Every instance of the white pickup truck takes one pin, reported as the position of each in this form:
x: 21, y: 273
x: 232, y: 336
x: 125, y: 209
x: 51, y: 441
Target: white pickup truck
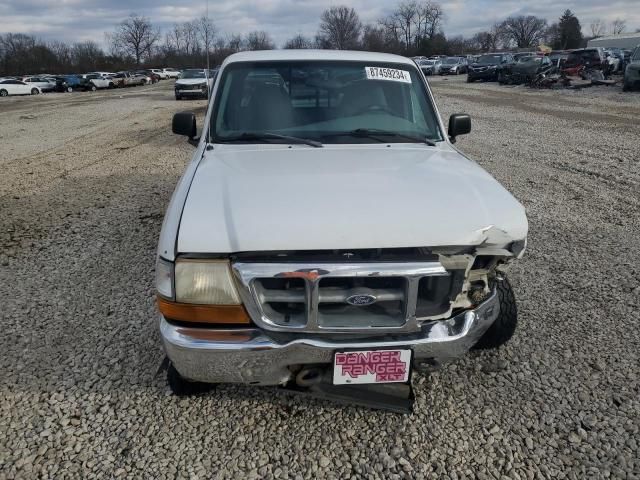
x: 327, y: 233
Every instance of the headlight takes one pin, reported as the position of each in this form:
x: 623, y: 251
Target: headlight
x: 199, y: 291
x: 205, y: 282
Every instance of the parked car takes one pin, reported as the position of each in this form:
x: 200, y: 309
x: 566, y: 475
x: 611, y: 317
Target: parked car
x: 103, y: 74
x: 150, y: 77
x: 98, y: 81
x: 585, y: 59
x: 492, y: 66
x: 42, y: 83
x: 336, y: 295
x: 69, y: 83
x: 431, y: 66
x: 632, y: 72
x: 129, y: 79
x: 194, y: 83
x: 453, y: 66
x: 171, y: 72
x: 530, y: 70
x: 160, y: 73
x: 10, y: 86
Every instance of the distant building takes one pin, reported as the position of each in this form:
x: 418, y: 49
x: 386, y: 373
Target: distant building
x: 625, y: 40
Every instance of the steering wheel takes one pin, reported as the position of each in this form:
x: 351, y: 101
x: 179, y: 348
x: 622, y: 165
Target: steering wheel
x: 375, y: 109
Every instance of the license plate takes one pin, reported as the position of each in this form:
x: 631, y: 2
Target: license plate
x: 371, y: 366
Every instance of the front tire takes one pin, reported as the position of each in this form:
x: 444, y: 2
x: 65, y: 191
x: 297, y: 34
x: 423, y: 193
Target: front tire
x: 182, y: 387
x: 3, y: 93
x: 501, y: 331
x: 178, y: 97
x: 35, y: 91
x: 69, y: 89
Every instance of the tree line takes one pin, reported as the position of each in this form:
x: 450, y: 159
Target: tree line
x: 412, y: 28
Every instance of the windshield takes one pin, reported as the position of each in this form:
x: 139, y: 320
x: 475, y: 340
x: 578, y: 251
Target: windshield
x: 636, y: 54
x: 324, y: 101
x: 451, y: 61
x: 489, y: 59
x: 530, y: 58
x: 192, y: 74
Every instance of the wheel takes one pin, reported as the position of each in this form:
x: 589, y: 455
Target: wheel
x: 178, y: 97
x: 625, y: 88
x: 3, y: 93
x: 503, y: 328
x: 501, y: 78
x: 184, y: 388
x: 93, y: 88
x: 111, y: 85
x: 469, y: 79
x: 35, y: 91
x: 69, y: 89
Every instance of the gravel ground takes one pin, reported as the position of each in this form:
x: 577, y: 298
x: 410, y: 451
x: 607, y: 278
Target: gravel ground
x: 85, y: 181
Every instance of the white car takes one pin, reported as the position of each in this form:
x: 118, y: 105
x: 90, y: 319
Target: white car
x: 99, y: 81
x: 327, y: 233
x: 103, y: 74
x: 42, y: 83
x: 17, y: 87
x: 161, y: 73
x: 194, y: 83
x: 171, y: 72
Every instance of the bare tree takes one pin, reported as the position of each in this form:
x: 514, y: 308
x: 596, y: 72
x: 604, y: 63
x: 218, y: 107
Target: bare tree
x: 135, y: 36
x: 433, y: 18
x: 525, y: 31
x: 235, y: 43
x: 298, y: 42
x: 206, y: 32
x: 340, y: 28
x: 405, y: 17
x: 597, y: 28
x: 618, y: 26
x: 86, y: 56
x: 259, y: 40
x: 190, y: 37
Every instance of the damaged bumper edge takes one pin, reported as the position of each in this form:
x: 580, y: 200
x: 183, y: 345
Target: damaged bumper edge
x: 253, y: 356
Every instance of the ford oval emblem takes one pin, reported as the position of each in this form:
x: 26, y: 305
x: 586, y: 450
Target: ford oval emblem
x: 361, y: 300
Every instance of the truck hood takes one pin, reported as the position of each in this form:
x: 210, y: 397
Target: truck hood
x: 275, y: 197
x: 192, y: 81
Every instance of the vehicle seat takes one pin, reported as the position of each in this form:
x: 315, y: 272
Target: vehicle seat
x: 359, y: 96
x: 269, y: 108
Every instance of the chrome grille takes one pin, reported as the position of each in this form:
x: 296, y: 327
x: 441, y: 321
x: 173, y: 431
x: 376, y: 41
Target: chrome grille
x: 322, y: 297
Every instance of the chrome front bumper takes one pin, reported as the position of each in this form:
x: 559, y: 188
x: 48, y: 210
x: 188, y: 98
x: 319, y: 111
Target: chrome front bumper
x: 257, y: 357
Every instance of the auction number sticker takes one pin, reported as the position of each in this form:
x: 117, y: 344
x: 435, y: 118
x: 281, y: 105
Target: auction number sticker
x: 392, y: 74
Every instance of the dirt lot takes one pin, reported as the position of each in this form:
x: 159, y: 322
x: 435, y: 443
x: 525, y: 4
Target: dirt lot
x: 84, y: 184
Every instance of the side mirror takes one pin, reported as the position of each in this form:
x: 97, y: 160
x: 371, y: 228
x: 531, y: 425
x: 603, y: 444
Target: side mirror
x: 459, y: 124
x: 184, y: 123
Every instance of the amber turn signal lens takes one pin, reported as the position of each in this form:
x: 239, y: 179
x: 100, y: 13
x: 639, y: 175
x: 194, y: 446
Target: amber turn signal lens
x: 218, y: 314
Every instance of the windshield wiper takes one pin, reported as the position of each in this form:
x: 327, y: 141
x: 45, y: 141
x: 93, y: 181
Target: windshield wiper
x: 374, y: 133
x: 245, y: 136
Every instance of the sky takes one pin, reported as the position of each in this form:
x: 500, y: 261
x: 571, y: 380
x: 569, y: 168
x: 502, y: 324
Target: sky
x: 78, y: 20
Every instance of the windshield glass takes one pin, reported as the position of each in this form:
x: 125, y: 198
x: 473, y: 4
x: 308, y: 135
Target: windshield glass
x: 324, y: 101
x: 636, y: 54
x: 451, y: 61
x: 489, y: 59
x: 192, y: 74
